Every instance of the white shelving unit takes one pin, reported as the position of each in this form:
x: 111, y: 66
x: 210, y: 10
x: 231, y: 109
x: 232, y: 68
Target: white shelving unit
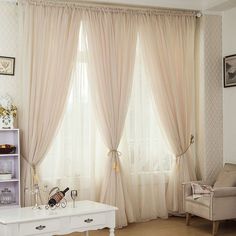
x: 11, y: 136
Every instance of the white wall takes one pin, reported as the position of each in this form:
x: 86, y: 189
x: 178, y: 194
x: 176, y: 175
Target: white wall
x: 8, y: 47
x: 229, y: 94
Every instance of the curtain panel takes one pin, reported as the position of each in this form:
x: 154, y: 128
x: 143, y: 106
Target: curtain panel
x: 77, y: 151
x: 146, y: 153
x: 169, y: 47
x: 48, y: 42
x: 168, y: 43
x: 111, y: 52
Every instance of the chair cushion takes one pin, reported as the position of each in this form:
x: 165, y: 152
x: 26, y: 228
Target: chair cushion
x: 204, y: 200
x: 227, y: 176
x: 229, y: 167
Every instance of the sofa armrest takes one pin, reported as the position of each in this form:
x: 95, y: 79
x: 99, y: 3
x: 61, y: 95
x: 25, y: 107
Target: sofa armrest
x: 224, y: 192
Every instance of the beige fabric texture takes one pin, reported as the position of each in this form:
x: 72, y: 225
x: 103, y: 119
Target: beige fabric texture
x: 204, y: 200
x: 226, y: 179
x: 229, y: 167
x: 49, y: 39
x: 111, y: 49
x: 227, y: 176
x: 225, y: 192
x: 169, y: 47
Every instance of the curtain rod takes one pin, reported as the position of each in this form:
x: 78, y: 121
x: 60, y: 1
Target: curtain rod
x: 123, y: 5
x: 120, y: 6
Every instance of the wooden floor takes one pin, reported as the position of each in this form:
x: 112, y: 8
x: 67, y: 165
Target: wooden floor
x: 174, y: 226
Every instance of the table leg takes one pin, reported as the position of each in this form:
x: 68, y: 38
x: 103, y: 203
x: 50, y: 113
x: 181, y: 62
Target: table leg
x: 112, y: 232
x: 87, y: 233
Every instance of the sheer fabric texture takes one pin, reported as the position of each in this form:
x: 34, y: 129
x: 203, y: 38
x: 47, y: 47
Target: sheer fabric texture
x: 111, y: 144
x: 146, y: 157
x: 78, y: 156
x: 111, y: 46
x: 75, y: 158
x: 169, y: 49
x: 46, y: 71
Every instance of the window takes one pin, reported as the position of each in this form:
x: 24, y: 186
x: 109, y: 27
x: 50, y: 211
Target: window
x: 147, y: 149
x: 77, y: 155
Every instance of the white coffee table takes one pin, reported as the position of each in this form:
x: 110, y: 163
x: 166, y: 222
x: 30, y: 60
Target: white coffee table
x: 87, y: 215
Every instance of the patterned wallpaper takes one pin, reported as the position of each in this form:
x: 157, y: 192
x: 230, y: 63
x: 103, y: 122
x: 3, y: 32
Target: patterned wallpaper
x: 211, y: 100
x: 8, y: 47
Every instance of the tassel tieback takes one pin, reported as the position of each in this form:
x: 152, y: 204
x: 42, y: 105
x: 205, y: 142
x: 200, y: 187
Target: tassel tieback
x: 190, y: 143
x: 115, y: 165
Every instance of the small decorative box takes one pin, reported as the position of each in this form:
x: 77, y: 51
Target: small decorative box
x: 5, y: 176
x: 7, y: 122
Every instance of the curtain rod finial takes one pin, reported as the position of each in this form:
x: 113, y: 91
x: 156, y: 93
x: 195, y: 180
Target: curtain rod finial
x: 199, y: 14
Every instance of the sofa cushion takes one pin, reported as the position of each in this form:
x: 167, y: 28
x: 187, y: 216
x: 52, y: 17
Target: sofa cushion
x: 203, y: 200
x: 229, y: 167
x: 227, y: 176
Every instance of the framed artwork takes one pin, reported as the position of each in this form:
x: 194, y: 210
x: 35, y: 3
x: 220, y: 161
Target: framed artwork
x: 7, y: 65
x: 230, y: 71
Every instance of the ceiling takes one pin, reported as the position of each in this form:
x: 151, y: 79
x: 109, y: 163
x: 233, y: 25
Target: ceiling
x: 211, y: 5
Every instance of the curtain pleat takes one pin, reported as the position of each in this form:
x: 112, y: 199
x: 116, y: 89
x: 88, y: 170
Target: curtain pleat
x: 111, y: 50
x: 169, y: 48
x: 48, y: 42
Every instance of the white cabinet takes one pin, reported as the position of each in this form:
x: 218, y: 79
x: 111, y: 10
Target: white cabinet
x: 10, y: 163
x: 86, y: 216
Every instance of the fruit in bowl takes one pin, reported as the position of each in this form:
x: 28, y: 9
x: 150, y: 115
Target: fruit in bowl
x: 7, y: 149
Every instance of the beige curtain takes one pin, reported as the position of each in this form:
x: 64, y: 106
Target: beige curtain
x: 49, y: 39
x: 169, y: 46
x: 111, y: 48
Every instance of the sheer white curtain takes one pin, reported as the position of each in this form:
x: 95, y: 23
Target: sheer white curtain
x: 77, y: 155
x: 48, y: 42
x: 111, y: 47
x: 146, y: 158
x: 169, y: 48
x: 72, y: 158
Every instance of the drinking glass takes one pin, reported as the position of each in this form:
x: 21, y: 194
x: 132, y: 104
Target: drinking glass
x: 74, y: 195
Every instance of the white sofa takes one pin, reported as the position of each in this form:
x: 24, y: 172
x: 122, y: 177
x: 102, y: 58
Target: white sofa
x: 219, y: 205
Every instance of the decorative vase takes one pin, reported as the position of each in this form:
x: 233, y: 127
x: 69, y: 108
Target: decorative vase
x: 7, y: 122
x: 8, y: 113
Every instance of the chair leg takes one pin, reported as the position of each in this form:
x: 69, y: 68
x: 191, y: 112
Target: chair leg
x: 188, y: 218
x: 215, y: 227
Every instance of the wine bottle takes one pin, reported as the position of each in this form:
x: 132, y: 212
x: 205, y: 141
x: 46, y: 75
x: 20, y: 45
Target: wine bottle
x: 56, y: 198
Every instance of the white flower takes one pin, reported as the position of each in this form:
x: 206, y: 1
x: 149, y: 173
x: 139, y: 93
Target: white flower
x: 6, y: 102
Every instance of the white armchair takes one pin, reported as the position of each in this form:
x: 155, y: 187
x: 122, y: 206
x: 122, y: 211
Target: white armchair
x: 218, y: 205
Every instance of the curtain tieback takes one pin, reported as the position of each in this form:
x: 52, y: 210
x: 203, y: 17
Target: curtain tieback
x: 33, y: 167
x: 190, y: 143
x: 115, y: 165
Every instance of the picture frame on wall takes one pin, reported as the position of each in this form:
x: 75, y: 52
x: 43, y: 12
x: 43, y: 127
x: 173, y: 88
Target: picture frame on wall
x: 229, y: 71
x: 7, y: 65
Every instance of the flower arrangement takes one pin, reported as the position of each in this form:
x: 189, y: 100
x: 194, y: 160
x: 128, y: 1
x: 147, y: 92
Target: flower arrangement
x: 8, y: 112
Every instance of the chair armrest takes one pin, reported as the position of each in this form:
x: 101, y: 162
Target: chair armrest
x: 187, y: 190
x: 224, y: 192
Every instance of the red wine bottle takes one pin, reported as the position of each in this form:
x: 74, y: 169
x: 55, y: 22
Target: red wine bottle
x: 56, y: 198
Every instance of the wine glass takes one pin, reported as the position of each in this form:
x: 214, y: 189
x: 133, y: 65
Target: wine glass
x: 74, y: 195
